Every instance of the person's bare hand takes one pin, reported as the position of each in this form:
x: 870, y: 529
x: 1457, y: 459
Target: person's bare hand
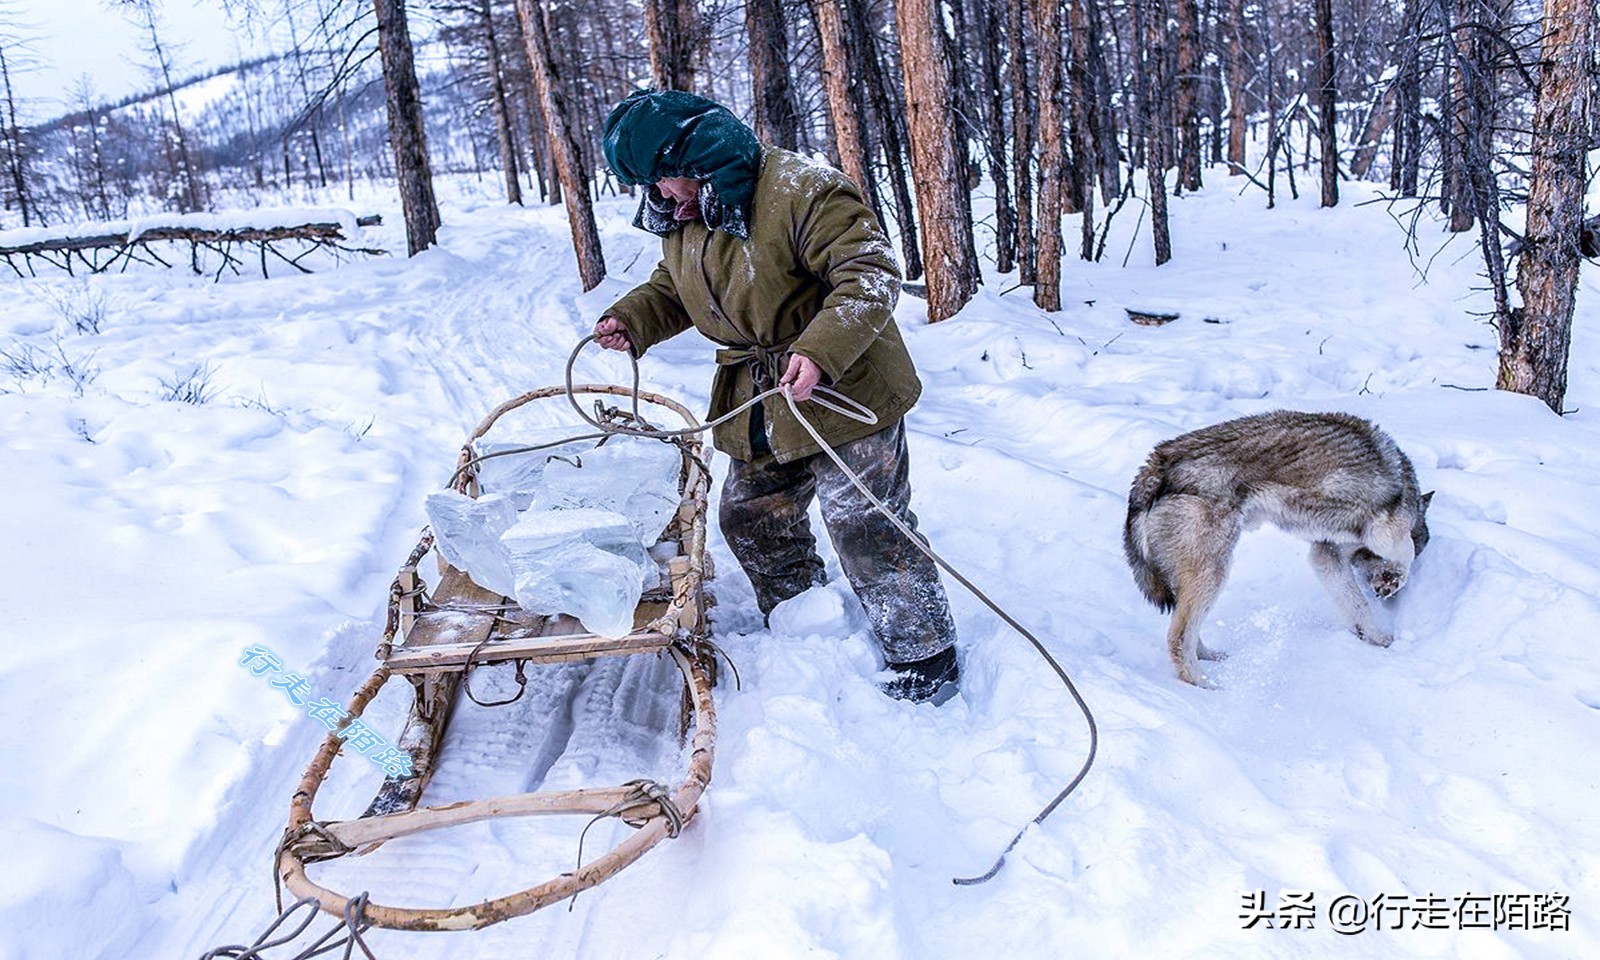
x: 801, y: 377
x: 611, y: 334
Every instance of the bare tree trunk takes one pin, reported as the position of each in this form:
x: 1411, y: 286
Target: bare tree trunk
x: 12, y: 144
x: 575, y: 185
x: 1457, y: 178
x: 937, y: 171
x: 1022, y: 137
x: 1408, y: 131
x: 1327, y: 101
x: 843, y: 110
x: 1153, y: 28
x: 990, y: 50
x: 498, y: 102
x: 675, y: 32
x: 193, y: 193
x: 1379, y: 117
x: 1534, y: 346
x: 406, y: 134
x: 1083, y: 128
x: 776, y: 116
x: 1188, y: 94
x: 885, y: 98
x: 1102, y: 109
x: 1047, y: 57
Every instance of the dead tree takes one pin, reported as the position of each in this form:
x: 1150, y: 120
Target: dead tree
x: 1534, y: 345
x: 564, y: 151
x: 952, y: 264
x: 409, y: 141
x: 1327, y: 100
x: 13, y: 148
x: 191, y: 193
x: 1047, y: 59
x: 776, y: 115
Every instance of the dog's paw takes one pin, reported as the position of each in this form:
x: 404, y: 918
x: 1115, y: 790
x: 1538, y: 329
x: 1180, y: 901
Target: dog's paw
x: 1210, y: 653
x: 1387, y: 579
x: 1195, y: 678
x: 1376, y: 637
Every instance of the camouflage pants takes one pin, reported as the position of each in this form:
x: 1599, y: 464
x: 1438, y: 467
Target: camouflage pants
x: 763, y: 516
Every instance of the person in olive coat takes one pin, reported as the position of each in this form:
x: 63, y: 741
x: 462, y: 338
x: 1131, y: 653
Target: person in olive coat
x: 778, y: 259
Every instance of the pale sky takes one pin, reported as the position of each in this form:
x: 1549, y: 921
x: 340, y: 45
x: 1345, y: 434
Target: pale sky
x: 71, y: 38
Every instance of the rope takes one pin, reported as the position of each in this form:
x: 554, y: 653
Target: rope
x: 643, y: 790
x: 352, y: 926
x: 850, y: 408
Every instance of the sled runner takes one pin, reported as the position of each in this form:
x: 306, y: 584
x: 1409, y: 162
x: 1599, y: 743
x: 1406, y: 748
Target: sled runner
x: 434, y: 637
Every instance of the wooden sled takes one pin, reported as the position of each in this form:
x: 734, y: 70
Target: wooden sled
x: 432, y: 640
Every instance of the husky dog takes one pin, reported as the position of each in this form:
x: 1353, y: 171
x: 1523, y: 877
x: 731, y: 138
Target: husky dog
x: 1331, y: 478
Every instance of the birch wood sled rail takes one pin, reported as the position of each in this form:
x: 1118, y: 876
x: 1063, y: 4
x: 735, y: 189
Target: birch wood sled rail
x: 105, y: 246
x: 433, y: 642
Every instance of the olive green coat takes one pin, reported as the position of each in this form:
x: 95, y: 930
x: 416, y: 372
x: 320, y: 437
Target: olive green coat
x: 817, y: 277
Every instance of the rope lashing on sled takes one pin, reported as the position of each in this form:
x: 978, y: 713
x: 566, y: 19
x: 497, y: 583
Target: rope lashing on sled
x: 644, y: 791
x: 352, y: 926
x: 845, y: 406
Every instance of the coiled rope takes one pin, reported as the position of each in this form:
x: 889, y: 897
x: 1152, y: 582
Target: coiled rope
x: 841, y: 404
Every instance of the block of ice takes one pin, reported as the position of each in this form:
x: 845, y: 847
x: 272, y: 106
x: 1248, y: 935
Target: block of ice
x: 519, y: 476
x: 636, y: 478
x: 467, y: 534
x: 584, y: 562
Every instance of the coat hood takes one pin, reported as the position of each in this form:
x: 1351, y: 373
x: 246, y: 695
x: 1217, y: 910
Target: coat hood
x: 653, y: 135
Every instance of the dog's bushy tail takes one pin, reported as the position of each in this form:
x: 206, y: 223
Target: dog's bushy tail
x: 1146, y: 490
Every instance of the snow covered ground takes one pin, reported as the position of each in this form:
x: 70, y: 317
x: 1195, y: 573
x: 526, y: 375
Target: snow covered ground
x: 151, y: 541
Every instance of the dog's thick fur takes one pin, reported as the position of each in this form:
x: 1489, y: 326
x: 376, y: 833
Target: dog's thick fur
x: 1331, y: 478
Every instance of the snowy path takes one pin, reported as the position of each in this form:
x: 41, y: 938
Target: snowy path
x: 162, y: 538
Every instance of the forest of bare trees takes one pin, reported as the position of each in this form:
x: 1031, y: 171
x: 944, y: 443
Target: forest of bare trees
x: 1044, y: 109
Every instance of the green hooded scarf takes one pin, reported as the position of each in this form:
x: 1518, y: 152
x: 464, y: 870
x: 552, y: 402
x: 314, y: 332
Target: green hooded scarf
x: 653, y: 135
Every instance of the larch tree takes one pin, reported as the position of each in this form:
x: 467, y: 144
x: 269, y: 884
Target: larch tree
x: 505, y: 128
x: 407, y: 138
x: 677, y: 43
x: 844, y: 107
x: 1047, y: 33
x: 937, y: 170
x: 1535, y: 343
x: 1327, y: 103
x: 775, y: 114
x: 563, y: 149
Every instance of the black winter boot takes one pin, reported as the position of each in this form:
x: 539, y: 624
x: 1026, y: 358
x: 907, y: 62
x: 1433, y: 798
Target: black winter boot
x: 919, y: 681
